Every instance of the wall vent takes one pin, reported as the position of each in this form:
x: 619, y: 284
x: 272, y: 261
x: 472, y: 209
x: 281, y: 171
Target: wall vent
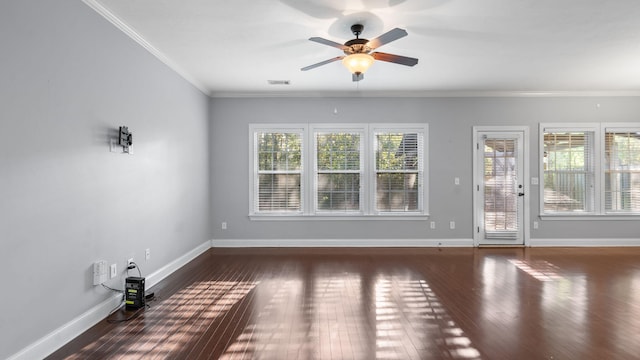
x: 279, y: 82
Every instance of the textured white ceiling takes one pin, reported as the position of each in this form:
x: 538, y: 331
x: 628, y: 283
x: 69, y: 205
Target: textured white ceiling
x: 472, y: 46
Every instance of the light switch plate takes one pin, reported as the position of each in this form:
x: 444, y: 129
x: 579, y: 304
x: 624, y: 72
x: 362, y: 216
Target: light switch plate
x: 113, y: 145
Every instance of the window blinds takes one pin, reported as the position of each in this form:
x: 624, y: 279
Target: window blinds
x: 279, y: 171
x: 622, y: 171
x: 338, y: 171
x: 568, y: 171
x: 500, y: 189
x: 354, y: 170
x: 398, y: 171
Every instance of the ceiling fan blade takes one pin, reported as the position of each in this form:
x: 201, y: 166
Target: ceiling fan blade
x: 328, y: 42
x: 396, y: 59
x: 322, y: 63
x: 387, y: 37
x: 357, y: 77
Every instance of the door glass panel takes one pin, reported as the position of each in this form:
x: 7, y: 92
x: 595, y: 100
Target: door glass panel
x: 500, y: 189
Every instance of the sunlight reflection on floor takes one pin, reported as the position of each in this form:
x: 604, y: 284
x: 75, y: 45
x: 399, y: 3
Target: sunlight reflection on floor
x: 409, y: 321
x: 183, y: 315
x: 541, y: 270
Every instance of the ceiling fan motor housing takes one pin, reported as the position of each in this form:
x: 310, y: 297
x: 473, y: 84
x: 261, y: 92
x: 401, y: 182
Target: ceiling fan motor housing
x: 357, y: 46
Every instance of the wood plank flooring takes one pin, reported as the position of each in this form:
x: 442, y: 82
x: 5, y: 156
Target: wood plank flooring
x: 552, y: 303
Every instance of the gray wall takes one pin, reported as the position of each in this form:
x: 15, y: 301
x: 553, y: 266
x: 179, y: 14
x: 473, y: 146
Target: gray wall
x: 450, y: 143
x: 68, y: 79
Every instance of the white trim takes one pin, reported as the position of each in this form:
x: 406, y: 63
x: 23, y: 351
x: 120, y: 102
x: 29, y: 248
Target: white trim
x: 135, y: 36
x: 51, y: 342
x: 581, y: 242
x: 158, y: 275
x: 419, y: 94
x: 303, y: 243
x: 599, y: 211
x: 398, y: 243
x: 526, y: 231
x: 345, y: 216
x: 294, y: 128
x: 317, y: 129
x: 590, y: 217
x: 308, y: 171
x: 423, y: 167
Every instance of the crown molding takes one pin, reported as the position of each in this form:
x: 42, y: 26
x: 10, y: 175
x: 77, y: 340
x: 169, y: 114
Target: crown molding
x: 421, y: 94
x: 137, y: 37
x: 133, y: 34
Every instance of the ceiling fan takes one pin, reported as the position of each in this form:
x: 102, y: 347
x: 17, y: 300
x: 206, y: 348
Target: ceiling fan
x: 358, y: 56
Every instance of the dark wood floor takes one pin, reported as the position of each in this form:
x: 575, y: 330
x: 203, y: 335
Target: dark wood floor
x: 552, y: 303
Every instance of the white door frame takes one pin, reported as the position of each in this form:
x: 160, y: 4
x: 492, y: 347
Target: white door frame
x: 478, y: 204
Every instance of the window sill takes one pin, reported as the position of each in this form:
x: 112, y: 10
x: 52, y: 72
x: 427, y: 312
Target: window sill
x: 590, y: 217
x: 358, y: 217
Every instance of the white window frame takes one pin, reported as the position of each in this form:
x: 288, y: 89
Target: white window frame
x: 614, y: 127
x: 309, y: 209
x: 336, y: 128
x: 422, y: 166
x: 253, y: 165
x: 599, y: 212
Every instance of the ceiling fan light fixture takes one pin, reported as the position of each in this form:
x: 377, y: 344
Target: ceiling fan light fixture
x: 358, y: 63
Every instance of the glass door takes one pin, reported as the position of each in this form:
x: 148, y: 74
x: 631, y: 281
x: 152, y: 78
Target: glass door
x: 500, y: 192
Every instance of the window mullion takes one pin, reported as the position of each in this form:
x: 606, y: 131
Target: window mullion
x: 598, y: 170
x: 308, y: 150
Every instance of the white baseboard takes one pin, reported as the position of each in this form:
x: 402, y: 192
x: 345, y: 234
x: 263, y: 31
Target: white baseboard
x: 176, y: 264
x: 583, y: 242
x: 51, y: 342
x: 246, y: 243
x: 62, y: 335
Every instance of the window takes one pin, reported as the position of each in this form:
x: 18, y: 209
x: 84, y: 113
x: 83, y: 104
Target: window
x: 279, y: 171
x: 590, y: 169
x: 338, y: 171
x: 355, y: 170
x: 622, y: 170
x: 398, y: 171
x: 568, y: 171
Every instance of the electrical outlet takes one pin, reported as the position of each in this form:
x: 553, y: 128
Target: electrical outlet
x: 114, y: 271
x: 147, y: 254
x: 432, y: 225
x: 224, y: 225
x: 456, y: 181
x: 535, y: 225
x: 99, y: 272
x: 129, y: 262
x: 452, y: 225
